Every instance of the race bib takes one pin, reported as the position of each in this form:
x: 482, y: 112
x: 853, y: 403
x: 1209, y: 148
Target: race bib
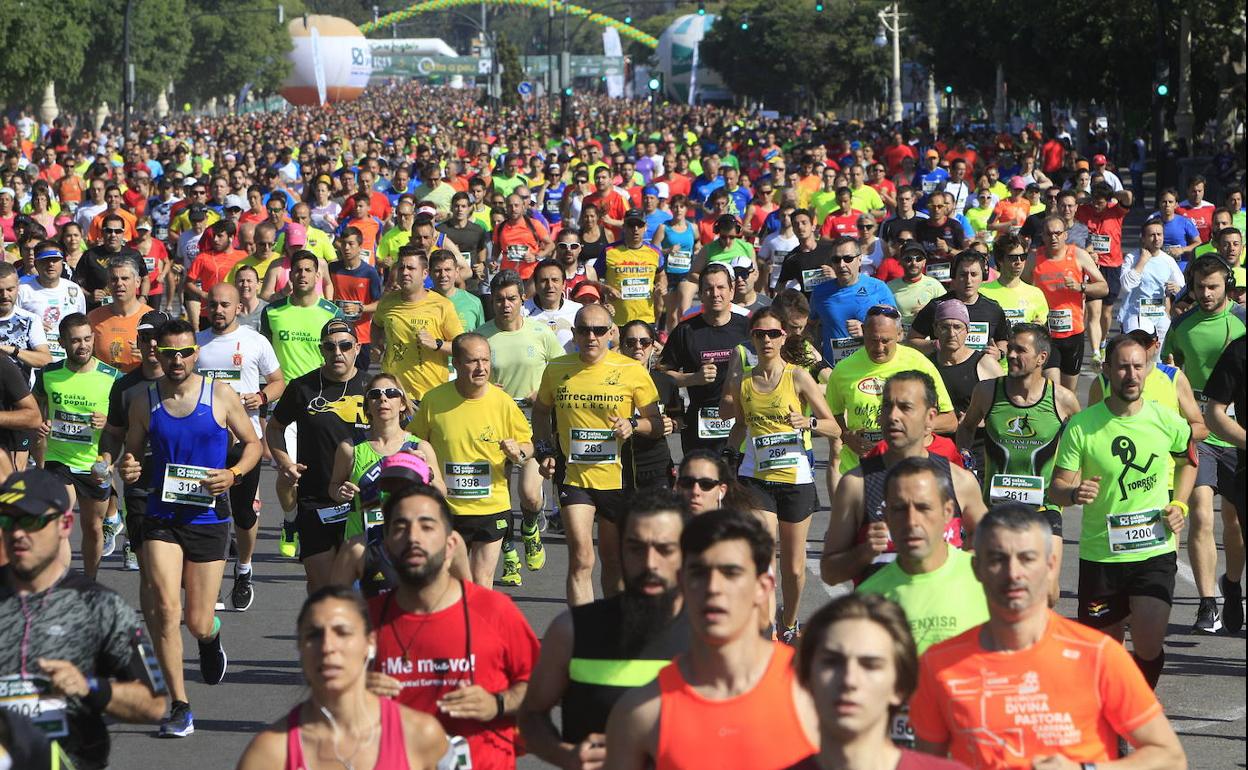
x: 467, y: 481
x: 1014, y: 315
x: 516, y: 252
x: 1135, y: 531
x: 1098, y: 243
x: 977, y: 335
x: 366, y: 255
x: 939, y: 270
x: 1062, y: 320
x: 72, y: 428
x: 150, y: 264
x: 223, y: 375
x: 593, y: 447
x: 373, y: 517
x: 928, y: 186
x: 843, y: 348
x: 1019, y: 489
x: 812, y: 278
x: 185, y: 485
x: 679, y: 261
x: 343, y: 304
x: 634, y: 288
x: 31, y: 699
x: 900, y: 731
x: 54, y: 347
x: 778, y: 450
x: 1152, y: 309
x: 711, y: 426
x: 333, y: 514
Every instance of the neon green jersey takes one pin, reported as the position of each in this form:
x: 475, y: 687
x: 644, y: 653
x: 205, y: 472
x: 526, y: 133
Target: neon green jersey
x: 1023, y: 303
x: 295, y: 332
x: 518, y: 358
x: 1197, y: 339
x: 71, y: 398
x: 1125, y: 523
x: 939, y: 605
x: 856, y: 388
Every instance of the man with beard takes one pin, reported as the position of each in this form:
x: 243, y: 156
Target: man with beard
x: 448, y: 647
x: 593, y: 654
x: 67, y: 683
x: 240, y: 357
x: 188, y: 418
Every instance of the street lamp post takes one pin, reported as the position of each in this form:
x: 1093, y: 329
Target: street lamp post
x: 890, y: 19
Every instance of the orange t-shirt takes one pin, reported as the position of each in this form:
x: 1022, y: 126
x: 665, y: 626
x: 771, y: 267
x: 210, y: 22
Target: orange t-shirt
x: 95, y: 233
x: 212, y: 267
x: 116, y: 336
x: 514, y: 240
x: 1013, y: 213
x: 1065, y: 305
x: 759, y: 729
x: 1072, y: 693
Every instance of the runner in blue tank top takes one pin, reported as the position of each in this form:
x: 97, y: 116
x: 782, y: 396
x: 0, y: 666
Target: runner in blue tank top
x: 188, y: 420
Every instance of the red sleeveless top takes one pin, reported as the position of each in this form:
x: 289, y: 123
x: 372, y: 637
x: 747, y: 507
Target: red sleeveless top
x: 759, y: 729
x: 392, y: 753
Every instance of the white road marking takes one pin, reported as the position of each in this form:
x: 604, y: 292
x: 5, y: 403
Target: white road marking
x: 1183, y: 727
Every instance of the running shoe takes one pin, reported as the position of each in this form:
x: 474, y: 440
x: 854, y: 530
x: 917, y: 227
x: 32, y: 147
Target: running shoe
x: 534, y: 553
x: 1208, y: 620
x: 180, y: 722
x: 791, y: 635
x: 554, y: 523
x: 130, y: 558
x: 243, y: 593
x: 511, y: 569
x: 1232, y: 606
x: 288, y: 544
x: 212, y: 660
x: 112, y: 528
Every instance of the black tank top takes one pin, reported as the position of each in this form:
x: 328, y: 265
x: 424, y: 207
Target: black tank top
x: 960, y: 379
x: 601, y: 670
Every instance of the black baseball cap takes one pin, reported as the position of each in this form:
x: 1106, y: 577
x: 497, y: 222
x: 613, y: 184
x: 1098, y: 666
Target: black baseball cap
x: 634, y: 215
x: 913, y: 247
x: 337, y: 326
x: 197, y: 213
x: 152, y: 320
x: 33, y: 492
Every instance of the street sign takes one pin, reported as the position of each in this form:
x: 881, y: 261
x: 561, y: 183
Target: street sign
x: 524, y: 88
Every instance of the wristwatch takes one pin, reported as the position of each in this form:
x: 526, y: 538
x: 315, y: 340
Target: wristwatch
x: 438, y: 343
x: 1087, y: 766
x: 814, y: 423
x: 633, y: 422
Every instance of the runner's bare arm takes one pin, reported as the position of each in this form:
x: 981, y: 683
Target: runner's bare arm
x: 813, y: 396
x: 25, y: 415
x: 945, y: 422
x: 344, y: 456
x: 426, y: 740
x: 1224, y: 425
x: 1067, y: 401
x: 546, y: 689
x: 267, y: 750
x: 841, y: 559
x: 1189, y: 407
x: 970, y: 500
x: 1095, y: 285
x: 633, y: 730
x: 981, y: 400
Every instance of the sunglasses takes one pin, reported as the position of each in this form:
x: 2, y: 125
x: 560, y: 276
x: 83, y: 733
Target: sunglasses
x: 845, y: 260
x: 888, y: 311
x: 702, y: 482
x: 1017, y: 257
x: 185, y: 352
x: 27, y: 522
x: 329, y: 346
x: 277, y: 211
x: 597, y: 331
x: 112, y: 230
x: 771, y: 334
x: 914, y: 258
x: 570, y: 246
x: 741, y: 273
x: 375, y: 394
x: 638, y: 342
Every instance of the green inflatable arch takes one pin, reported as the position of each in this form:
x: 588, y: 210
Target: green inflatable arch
x: 625, y: 30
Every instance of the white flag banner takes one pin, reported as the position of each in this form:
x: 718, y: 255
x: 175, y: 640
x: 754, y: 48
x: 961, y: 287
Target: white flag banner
x: 611, y: 47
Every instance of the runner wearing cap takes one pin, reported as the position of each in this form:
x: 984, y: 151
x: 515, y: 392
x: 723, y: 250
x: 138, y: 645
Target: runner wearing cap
x: 155, y: 257
x: 633, y: 280
x: 246, y: 361
x: 278, y: 279
x: 961, y: 366
x: 914, y: 289
x: 123, y: 391
x: 929, y: 178
x: 745, y: 285
x: 188, y: 420
x: 49, y: 295
x: 66, y: 683
x: 326, y: 406
x: 73, y: 395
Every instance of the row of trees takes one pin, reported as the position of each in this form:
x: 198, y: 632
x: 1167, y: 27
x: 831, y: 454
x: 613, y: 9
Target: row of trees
x: 205, y: 48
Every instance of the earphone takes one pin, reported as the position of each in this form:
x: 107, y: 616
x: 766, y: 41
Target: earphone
x: 372, y: 653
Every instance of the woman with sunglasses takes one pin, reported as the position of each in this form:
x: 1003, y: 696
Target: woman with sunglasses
x: 981, y: 214
x: 341, y: 724
x: 594, y: 239
x: 770, y: 401
x: 705, y: 482
x: 357, y: 465
x: 651, y: 457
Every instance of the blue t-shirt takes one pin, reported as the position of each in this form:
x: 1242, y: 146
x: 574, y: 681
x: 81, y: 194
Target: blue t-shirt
x: 653, y: 220
x: 1179, y: 231
x: 701, y: 188
x: 834, y: 304
x: 927, y: 182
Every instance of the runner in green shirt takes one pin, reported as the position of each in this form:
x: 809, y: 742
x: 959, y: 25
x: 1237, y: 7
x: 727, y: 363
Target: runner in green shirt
x: 443, y: 270
x: 1020, y: 301
x: 293, y: 324
x: 1111, y: 461
x: 73, y: 395
x: 1196, y: 339
x: 914, y: 289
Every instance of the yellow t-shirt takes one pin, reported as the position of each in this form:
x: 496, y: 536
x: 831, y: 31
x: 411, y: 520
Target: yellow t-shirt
x: 856, y: 391
x: 586, y: 399
x: 261, y: 265
x: 419, y: 369
x: 774, y: 449
x: 465, y: 434
x: 631, y: 273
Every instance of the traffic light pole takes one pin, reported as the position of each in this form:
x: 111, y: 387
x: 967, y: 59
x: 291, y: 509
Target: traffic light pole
x: 1159, y: 105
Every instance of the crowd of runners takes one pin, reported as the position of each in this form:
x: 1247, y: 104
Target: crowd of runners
x: 633, y: 331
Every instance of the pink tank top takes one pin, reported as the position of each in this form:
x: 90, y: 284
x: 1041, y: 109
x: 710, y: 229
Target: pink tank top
x: 392, y: 753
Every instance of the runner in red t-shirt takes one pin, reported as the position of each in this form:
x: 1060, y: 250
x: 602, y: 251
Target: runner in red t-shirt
x: 1197, y: 209
x: 1104, y: 217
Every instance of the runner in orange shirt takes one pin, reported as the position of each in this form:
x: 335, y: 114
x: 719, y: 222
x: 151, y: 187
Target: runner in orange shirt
x: 211, y: 266
x: 1010, y: 214
x: 1067, y: 275
x: 112, y: 205
x: 1029, y: 688
x: 116, y: 324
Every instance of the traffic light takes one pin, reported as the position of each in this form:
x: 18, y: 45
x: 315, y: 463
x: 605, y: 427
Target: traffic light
x: 1162, y: 85
x: 628, y: 19
x: 1162, y: 89
x: 655, y: 84
x: 701, y: 7
x: 948, y: 89
x: 745, y: 23
x: 818, y: 6
x: 567, y: 91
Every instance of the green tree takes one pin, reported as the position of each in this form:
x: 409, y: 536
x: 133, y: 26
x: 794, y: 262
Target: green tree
x: 789, y: 52
x: 159, y: 41
x: 513, y: 71
x: 235, y: 44
x: 38, y: 45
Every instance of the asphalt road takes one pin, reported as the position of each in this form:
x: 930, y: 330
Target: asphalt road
x: 1203, y: 688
